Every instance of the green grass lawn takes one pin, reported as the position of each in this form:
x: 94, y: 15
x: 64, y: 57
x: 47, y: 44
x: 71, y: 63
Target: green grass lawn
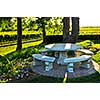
x: 89, y: 30
x: 9, y: 49
x: 6, y: 50
x: 50, y: 31
x: 94, y: 78
x: 15, y: 32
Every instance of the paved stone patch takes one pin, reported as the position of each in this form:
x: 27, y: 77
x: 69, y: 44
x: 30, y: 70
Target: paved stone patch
x: 59, y: 70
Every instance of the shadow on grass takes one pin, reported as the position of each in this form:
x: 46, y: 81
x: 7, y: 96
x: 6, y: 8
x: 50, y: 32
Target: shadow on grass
x: 94, y: 78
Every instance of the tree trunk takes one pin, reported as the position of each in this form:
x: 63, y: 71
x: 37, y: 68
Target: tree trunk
x: 66, y: 26
x: 75, y: 29
x: 44, y: 32
x: 19, y: 33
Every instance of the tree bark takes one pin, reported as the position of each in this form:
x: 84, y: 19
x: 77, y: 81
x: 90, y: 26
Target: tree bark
x: 44, y: 32
x: 19, y: 33
x: 66, y: 26
x: 75, y: 29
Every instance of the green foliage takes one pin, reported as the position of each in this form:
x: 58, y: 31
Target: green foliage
x: 10, y: 23
x: 96, y: 57
x: 11, y: 63
x: 96, y: 46
x: 7, y: 24
x: 86, y: 44
x: 53, y: 25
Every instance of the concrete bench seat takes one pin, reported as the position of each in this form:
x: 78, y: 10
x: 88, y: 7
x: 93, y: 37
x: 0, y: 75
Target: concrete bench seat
x: 47, y: 59
x: 43, y: 51
x: 84, y: 59
x: 77, y: 59
x: 48, y: 52
x: 88, y: 52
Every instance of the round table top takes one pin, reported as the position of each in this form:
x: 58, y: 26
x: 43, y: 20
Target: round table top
x: 63, y: 47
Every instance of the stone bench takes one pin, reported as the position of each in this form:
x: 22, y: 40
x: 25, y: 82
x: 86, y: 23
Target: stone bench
x: 88, y: 52
x: 84, y: 59
x: 48, y: 52
x: 43, y: 51
x: 47, y: 59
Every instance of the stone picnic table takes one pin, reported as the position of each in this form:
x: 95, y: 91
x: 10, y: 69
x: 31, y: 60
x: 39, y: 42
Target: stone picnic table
x: 63, y: 62
x: 62, y: 49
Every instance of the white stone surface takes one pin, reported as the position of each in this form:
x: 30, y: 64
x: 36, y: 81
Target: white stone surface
x: 68, y: 46
x: 77, y: 59
x: 62, y: 47
x: 43, y: 58
x: 85, y: 51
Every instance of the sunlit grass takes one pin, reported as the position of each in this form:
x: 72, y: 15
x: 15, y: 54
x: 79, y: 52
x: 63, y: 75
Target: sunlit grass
x: 31, y: 32
x: 89, y: 30
x: 51, y: 31
x: 15, y: 32
x: 9, y: 49
x: 6, y: 50
x: 9, y: 33
x: 31, y: 44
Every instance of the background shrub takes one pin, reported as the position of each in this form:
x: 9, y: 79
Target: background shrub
x: 96, y: 57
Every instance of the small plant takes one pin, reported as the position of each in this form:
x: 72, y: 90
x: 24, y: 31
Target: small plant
x: 13, y: 62
x: 65, y: 78
x: 86, y: 44
x: 99, y: 70
x: 96, y: 57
